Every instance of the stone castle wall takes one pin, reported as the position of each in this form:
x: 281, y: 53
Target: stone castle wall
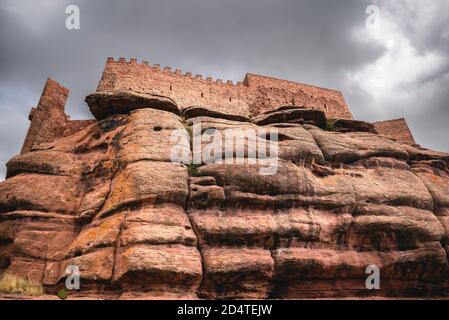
x: 255, y: 95
x: 250, y: 98
x: 397, y: 129
x: 48, y: 120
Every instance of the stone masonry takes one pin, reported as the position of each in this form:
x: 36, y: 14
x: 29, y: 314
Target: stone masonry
x: 255, y: 95
x: 396, y: 129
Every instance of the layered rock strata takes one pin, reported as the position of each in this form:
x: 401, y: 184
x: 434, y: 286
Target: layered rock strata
x: 109, y: 200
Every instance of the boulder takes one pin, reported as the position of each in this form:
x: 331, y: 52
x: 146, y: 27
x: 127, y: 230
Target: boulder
x: 156, y: 267
x: 292, y: 115
x: 354, y: 146
x: 157, y: 226
x: 30, y: 192
x: 104, y: 104
x: 148, y: 182
x: 199, y: 111
x: 44, y: 162
x: 387, y: 228
x: 287, y: 228
x: 148, y: 136
x: 349, y: 125
x: 236, y: 273
x: 99, y: 234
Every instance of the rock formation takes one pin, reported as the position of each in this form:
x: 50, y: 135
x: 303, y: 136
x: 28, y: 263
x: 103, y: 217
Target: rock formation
x: 105, y: 196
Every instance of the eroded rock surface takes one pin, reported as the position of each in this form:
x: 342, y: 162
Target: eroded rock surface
x: 109, y: 200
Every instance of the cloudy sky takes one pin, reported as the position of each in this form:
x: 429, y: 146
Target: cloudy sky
x: 390, y: 67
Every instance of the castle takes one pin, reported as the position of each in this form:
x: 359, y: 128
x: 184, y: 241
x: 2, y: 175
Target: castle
x: 254, y: 96
x: 105, y: 197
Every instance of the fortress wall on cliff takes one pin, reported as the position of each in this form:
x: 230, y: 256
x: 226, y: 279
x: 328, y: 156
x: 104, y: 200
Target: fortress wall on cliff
x: 249, y: 98
x: 397, y: 129
x: 255, y: 95
x: 48, y: 120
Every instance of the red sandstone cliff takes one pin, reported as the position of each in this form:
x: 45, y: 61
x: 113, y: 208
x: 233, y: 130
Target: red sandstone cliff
x: 107, y: 198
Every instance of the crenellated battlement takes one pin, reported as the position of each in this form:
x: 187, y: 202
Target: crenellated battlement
x: 167, y: 69
x: 254, y: 95
x: 170, y: 70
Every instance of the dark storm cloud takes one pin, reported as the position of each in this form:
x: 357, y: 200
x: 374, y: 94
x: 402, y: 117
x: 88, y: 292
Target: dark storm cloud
x: 421, y: 90
x: 310, y: 41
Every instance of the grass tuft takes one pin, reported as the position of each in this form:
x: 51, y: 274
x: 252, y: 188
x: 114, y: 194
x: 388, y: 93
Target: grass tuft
x: 193, y: 170
x: 63, y: 294
x: 330, y: 125
x: 12, y: 284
